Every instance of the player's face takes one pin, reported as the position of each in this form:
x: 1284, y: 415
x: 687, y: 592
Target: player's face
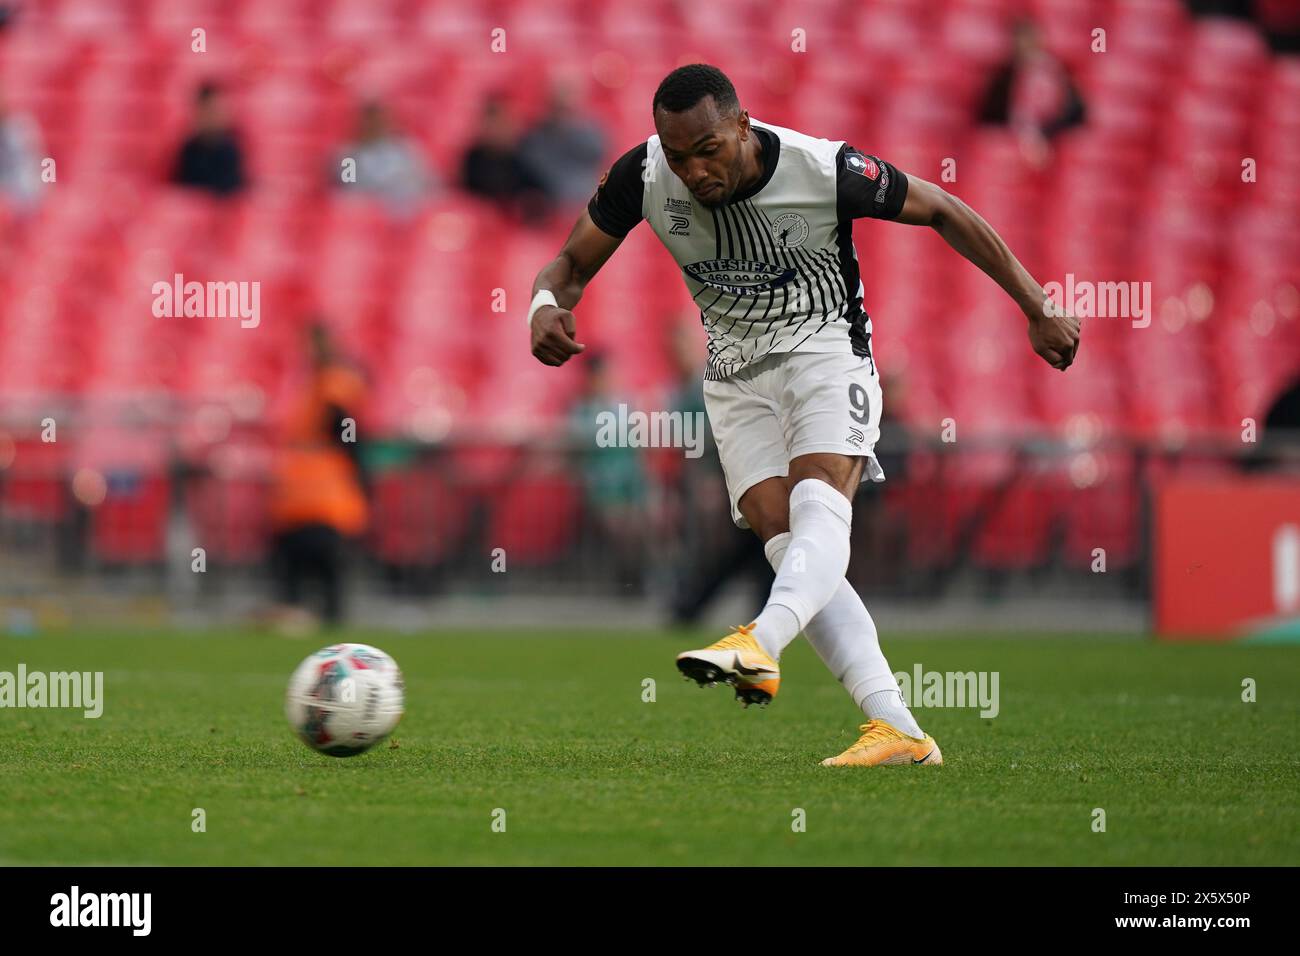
x: 705, y: 149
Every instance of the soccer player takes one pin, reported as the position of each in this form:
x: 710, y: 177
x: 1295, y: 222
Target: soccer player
x: 760, y: 219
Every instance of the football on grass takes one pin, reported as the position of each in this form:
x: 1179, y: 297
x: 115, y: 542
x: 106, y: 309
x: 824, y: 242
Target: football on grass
x: 345, y: 698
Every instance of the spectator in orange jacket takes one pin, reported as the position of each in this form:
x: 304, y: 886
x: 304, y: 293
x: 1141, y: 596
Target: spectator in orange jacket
x: 318, y: 498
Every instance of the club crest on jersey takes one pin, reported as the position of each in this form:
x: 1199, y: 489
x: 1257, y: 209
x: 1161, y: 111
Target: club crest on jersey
x: 739, y: 276
x: 863, y: 165
x: 789, y: 230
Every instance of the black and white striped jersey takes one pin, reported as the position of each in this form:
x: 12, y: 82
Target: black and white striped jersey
x: 773, y: 270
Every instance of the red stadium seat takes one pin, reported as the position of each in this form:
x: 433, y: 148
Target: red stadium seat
x: 534, y: 518
x: 417, y: 518
x: 1097, y: 498
x: 34, y: 486
x: 129, y: 526
x: 230, y: 518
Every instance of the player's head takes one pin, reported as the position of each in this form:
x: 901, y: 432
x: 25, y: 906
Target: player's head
x: 372, y: 121
x: 1026, y: 39
x: 703, y: 131
x: 210, y: 108
x: 320, y: 344
x: 597, y: 381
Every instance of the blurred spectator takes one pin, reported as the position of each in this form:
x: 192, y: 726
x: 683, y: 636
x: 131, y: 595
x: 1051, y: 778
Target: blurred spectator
x: 211, y: 157
x: 20, y: 159
x: 388, y: 164
x: 563, y: 150
x: 492, y: 167
x: 613, y: 478
x: 1278, y: 448
x: 714, y: 552
x: 687, y: 388
x: 1279, y: 19
x: 318, y: 496
x: 1032, y: 93
x: 1281, y: 22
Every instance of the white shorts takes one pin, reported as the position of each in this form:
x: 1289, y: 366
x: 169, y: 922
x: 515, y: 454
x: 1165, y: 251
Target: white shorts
x: 792, y: 404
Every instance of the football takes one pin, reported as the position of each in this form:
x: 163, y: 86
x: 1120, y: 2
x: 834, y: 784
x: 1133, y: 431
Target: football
x: 345, y: 698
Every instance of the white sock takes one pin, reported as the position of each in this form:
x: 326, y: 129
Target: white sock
x: 845, y: 638
x: 813, y: 566
x: 887, y: 705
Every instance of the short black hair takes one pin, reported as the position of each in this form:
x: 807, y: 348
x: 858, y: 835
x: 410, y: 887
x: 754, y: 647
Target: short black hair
x: 687, y: 85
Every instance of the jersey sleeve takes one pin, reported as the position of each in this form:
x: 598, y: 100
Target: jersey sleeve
x: 867, y: 186
x: 616, y: 205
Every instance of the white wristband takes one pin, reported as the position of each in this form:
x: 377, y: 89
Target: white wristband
x: 543, y: 297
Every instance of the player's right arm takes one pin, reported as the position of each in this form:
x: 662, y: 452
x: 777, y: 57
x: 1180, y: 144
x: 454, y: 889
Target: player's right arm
x: 553, y: 326
x: 609, y: 217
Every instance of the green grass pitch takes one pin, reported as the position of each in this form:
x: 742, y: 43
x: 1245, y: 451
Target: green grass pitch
x: 553, y: 730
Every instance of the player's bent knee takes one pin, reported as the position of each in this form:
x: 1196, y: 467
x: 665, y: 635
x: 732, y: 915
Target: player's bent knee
x: 768, y: 524
x: 841, y: 472
x: 766, y: 508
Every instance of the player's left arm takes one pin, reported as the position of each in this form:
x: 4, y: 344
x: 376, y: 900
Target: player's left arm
x: 1053, y: 334
x: 867, y: 186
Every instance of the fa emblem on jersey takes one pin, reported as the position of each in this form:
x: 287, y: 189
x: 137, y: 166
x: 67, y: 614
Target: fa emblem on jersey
x: 790, y: 230
x: 863, y: 165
